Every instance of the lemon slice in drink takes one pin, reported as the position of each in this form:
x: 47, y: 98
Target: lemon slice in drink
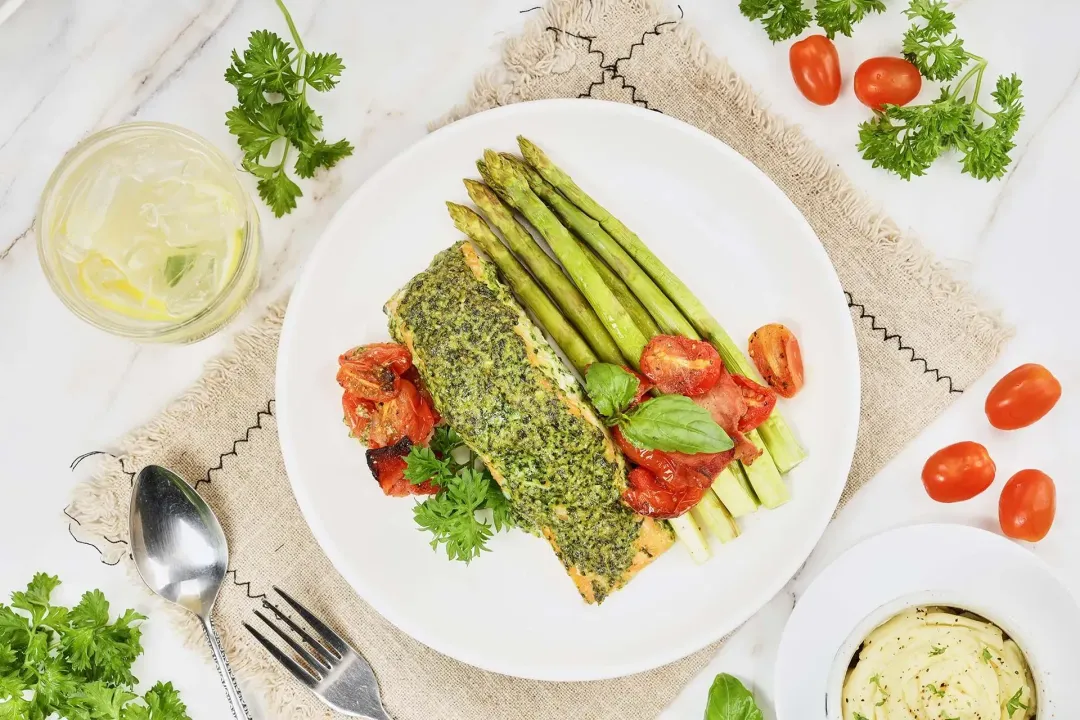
x: 104, y: 284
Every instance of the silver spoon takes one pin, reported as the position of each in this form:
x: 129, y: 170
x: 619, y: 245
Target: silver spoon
x: 181, y: 553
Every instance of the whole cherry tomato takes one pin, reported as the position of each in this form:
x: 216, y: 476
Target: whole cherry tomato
x: 1023, y: 396
x: 887, y: 81
x: 1027, y: 505
x: 681, y: 366
x: 958, y: 472
x: 776, y: 353
x: 816, y: 69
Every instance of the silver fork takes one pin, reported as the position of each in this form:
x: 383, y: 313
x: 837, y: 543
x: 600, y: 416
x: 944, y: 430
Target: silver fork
x: 335, y: 672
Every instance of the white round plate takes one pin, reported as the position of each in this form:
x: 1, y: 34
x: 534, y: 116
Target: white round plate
x: 950, y: 565
x: 727, y: 231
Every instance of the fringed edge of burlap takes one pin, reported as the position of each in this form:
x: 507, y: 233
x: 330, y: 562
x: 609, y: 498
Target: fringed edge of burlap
x: 100, y: 505
x: 532, y: 55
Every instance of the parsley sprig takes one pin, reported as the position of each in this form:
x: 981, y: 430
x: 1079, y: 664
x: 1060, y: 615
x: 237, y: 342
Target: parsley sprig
x: 783, y: 19
x: 906, y: 140
x: 838, y: 16
x: 454, y: 515
x: 273, y: 116
x: 74, y: 663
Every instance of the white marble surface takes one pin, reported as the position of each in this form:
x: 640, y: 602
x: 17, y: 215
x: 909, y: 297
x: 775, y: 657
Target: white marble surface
x: 69, y: 67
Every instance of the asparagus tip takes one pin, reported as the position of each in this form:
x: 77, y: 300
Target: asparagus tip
x: 533, y: 155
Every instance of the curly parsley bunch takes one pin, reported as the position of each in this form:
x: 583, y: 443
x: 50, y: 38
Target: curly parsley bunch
x: 74, y: 663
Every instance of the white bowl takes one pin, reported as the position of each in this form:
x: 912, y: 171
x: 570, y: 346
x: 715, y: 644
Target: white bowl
x: 943, y: 565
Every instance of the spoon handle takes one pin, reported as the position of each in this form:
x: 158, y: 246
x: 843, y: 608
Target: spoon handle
x: 228, y: 681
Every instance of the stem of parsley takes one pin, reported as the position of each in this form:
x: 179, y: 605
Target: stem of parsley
x: 292, y: 28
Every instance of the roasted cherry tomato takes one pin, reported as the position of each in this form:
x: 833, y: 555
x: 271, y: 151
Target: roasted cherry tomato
x: 1022, y: 397
x: 775, y: 351
x: 759, y: 400
x: 388, y: 466
x: 658, y: 462
x: 681, y: 366
x: 707, y: 465
x: 372, y: 371
x: 1027, y: 505
x: 413, y: 376
x: 404, y: 415
x: 816, y: 69
x: 644, y: 385
x: 358, y: 414
x: 727, y: 404
x: 958, y: 472
x: 887, y: 81
x: 666, y: 465
x: 648, y: 495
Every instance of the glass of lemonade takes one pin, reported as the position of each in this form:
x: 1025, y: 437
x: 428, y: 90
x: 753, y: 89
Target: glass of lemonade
x: 145, y: 231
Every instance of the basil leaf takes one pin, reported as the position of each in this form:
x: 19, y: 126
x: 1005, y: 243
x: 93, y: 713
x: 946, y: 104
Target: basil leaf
x: 730, y: 700
x: 176, y: 266
x: 610, y: 388
x: 674, y: 423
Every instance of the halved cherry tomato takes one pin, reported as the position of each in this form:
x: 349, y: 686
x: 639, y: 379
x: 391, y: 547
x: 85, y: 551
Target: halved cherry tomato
x: 644, y: 384
x: 707, y: 465
x: 776, y: 353
x: 372, y: 371
x: 887, y: 81
x: 648, y: 495
x: 358, y: 414
x: 727, y: 403
x: 681, y: 366
x: 815, y: 65
x: 958, y: 472
x: 658, y: 462
x: 1027, y: 505
x: 759, y: 400
x: 388, y: 466
x: 666, y: 465
x: 413, y: 376
x: 1022, y: 397
x: 404, y: 415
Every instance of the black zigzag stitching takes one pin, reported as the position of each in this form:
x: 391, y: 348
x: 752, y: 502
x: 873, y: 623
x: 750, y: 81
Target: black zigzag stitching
x: 123, y: 468
x: 246, y: 586
x: 887, y: 336
x: 641, y: 41
x: 268, y: 412
x: 101, y: 554
x: 589, y: 48
x: 611, y: 70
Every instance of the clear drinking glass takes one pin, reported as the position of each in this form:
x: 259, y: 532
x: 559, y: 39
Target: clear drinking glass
x: 145, y: 231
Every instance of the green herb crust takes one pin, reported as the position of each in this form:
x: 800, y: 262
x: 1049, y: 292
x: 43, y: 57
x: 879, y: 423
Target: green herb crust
x: 497, y: 382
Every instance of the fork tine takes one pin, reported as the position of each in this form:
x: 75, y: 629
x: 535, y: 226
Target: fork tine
x: 327, y: 655
x: 319, y: 665
x: 291, y: 665
x: 332, y: 638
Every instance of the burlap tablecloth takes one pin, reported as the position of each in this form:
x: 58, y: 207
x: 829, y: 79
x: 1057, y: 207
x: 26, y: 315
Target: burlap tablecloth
x: 922, y: 339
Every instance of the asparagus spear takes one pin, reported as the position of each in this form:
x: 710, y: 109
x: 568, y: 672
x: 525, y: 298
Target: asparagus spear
x: 575, y: 307
x: 667, y: 316
x: 505, y: 179
x: 778, y: 437
x: 714, y: 516
x: 737, y: 498
x: 566, y: 337
x: 641, y: 316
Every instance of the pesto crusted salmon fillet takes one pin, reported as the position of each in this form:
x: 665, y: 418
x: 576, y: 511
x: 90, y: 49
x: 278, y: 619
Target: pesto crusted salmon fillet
x: 495, y: 379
